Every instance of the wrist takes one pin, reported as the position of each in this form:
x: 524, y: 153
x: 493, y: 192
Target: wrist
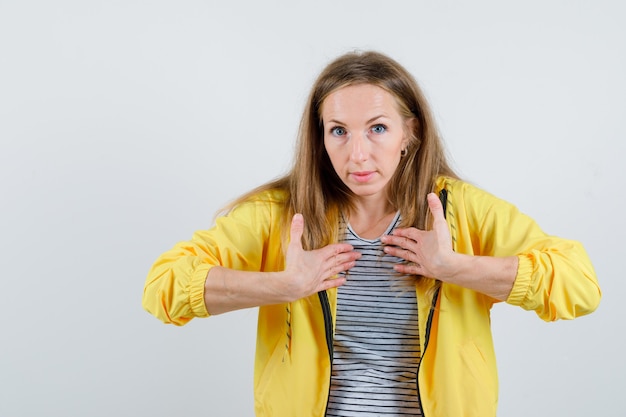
x: 454, y: 266
x: 278, y: 287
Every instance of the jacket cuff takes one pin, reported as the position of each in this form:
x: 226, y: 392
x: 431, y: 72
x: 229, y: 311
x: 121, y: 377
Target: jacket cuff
x: 521, y: 286
x: 196, y: 291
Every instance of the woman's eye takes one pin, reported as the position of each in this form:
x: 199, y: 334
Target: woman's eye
x: 379, y: 129
x: 338, y: 131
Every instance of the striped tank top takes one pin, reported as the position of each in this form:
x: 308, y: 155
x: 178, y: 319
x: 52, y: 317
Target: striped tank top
x: 376, y: 343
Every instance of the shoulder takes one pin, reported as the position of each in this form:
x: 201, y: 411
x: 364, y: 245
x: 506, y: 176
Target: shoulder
x: 460, y: 187
x: 461, y: 192
x: 472, y: 202
x: 266, y: 206
x: 272, y: 198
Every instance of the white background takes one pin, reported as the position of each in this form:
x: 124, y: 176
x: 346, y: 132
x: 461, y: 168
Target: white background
x: 124, y: 126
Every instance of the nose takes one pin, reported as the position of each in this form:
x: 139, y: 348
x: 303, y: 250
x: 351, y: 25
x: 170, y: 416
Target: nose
x: 360, y: 151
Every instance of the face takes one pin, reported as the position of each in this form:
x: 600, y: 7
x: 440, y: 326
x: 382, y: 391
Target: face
x: 364, y: 135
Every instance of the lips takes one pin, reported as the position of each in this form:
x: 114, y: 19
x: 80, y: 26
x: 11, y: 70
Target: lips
x: 362, y: 176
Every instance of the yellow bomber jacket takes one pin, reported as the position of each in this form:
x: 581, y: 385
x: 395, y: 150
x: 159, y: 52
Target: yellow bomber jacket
x: 457, y: 375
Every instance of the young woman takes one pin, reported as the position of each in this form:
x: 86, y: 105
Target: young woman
x: 373, y: 265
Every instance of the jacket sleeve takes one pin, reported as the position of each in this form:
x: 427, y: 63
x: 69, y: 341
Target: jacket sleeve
x: 174, y: 288
x: 555, y: 277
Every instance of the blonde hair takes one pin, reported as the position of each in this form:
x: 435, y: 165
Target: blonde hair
x: 312, y: 186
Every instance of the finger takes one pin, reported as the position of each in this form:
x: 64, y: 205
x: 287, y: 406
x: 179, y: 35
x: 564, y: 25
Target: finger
x: 409, y: 268
x: 403, y: 238
x: 400, y: 252
x: 409, y: 233
x: 297, y: 229
x: 334, y: 270
x: 345, y: 260
x: 332, y: 283
x: 336, y: 249
x: 436, y: 208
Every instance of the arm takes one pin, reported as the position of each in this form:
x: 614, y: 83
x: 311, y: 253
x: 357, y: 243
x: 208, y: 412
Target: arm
x: 430, y: 254
x: 305, y: 273
x: 245, y: 239
x: 553, y: 276
x: 239, y: 264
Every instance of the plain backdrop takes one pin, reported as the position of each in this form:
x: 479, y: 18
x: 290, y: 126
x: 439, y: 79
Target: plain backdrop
x: 125, y: 125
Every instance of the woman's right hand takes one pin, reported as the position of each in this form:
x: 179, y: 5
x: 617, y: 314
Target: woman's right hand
x: 305, y: 273
x: 309, y: 272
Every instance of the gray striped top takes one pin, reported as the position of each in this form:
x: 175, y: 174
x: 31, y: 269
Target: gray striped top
x: 376, y: 343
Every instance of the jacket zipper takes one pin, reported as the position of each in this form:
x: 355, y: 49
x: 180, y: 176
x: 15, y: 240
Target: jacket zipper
x: 429, y: 323
x: 443, y: 196
x: 328, y: 327
x: 328, y: 322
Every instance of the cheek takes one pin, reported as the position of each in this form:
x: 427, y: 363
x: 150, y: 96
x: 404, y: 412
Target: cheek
x: 392, y: 160
x: 332, y: 156
x: 335, y: 153
x: 328, y: 146
x: 392, y: 164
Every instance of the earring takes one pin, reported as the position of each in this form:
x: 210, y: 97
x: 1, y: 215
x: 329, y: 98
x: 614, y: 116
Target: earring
x: 403, y: 152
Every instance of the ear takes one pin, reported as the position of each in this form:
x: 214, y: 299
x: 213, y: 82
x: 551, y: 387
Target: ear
x: 410, y: 126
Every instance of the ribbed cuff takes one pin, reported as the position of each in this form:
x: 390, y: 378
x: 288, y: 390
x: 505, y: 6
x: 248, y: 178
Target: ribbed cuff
x: 196, y: 291
x: 521, y: 286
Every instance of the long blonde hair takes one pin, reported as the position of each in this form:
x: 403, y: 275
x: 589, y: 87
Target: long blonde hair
x: 312, y: 186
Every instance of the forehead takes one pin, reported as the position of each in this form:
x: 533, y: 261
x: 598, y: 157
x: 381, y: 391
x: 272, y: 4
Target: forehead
x: 359, y: 99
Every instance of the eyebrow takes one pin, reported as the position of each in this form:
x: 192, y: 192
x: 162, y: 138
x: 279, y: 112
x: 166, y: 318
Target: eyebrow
x: 367, y: 122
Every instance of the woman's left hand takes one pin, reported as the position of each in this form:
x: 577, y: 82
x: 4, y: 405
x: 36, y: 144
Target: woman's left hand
x: 428, y: 253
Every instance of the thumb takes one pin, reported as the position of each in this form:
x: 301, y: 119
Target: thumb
x: 436, y: 208
x: 297, y: 229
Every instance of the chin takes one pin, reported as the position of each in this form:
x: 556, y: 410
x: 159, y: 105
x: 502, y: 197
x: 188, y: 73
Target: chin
x: 366, y: 191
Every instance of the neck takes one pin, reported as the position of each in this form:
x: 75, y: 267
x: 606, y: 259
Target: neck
x: 370, y: 219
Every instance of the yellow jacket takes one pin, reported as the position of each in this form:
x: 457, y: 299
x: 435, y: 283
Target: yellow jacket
x: 457, y: 376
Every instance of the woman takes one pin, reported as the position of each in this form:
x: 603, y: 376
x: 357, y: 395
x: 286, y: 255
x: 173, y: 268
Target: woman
x: 374, y: 266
